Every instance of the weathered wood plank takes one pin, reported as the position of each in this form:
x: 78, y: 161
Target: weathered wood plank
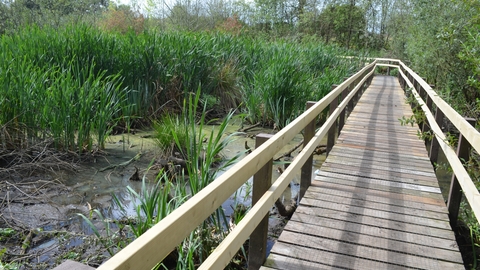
x: 373, y: 184
x: 341, y: 148
x: 377, y: 231
x: 358, y: 157
x: 384, y: 167
x: 386, y: 215
x: 374, y: 248
x: 298, y: 257
x: 359, y: 195
x: 438, y: 201
x: 320, y: 198
x: 380, y: 220
x: 378, y: 174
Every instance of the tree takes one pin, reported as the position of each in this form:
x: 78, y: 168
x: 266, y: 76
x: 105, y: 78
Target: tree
x: 343, y: 24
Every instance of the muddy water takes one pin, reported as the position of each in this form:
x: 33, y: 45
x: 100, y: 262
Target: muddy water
x: 94, y: 188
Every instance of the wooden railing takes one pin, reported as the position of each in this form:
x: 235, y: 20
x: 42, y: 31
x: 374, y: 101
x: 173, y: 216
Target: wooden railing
x: 154, y: 245
x: 435, y: 110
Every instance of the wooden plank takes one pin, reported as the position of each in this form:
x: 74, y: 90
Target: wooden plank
x: 375, y: 248
x: 376, y: 174
x: 439, y: 201
x: 287, y: 256
x: 359, y: 145
x: 376, y: 213
x: 341, y: 194
x: 390, y: 186
x: 317, y: 199
x: 378, y: 145
x: 395, y: 139
x: 380, y: 220
x: 366, y: 129
x: 391, y: 158
x: 375, y: 231
x: 375, y: 167
x: 340, y: 148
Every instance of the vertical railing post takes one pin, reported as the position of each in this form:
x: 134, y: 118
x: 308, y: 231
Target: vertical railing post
x: 306, y: 174
x: 434, y: 147
x: 425, y: 126
x: 341, y: 117
x: 262, y: 180
x: 331, y: 131
x: 388, y: 69
x: 360, y: 90
x: 455, y: 194
x: 400, y: 78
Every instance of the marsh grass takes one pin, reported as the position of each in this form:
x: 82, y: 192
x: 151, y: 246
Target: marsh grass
x: 157, y: 199
x: 77, y: 82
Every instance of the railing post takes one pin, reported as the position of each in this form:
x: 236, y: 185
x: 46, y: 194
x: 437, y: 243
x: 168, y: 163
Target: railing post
x: 425, y: 127
x: 341, y: 118
x: 434, y: 147
x: 262, y: 180
x: 350, y: 104
x: 400, y: 78
x: 331, y: 131
x: 455, y: 194
x: 357, y: 95
x: 306, y: 175
x: 388, y: 69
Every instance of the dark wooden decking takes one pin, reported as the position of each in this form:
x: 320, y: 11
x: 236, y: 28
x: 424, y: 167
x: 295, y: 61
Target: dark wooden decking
x: 376, y: 203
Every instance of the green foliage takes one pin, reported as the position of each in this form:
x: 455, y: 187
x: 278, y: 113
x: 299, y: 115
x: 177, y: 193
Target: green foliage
x: 343, y: 24
x: 8, y: 266
x: 6, y: 233
x: 165, y: 130
x: 440, y: 44
x: 91, y: 83
x: 153, y: 204
x: 111, y: 240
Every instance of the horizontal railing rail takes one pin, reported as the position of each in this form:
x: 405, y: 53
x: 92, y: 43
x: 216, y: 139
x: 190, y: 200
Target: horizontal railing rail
x: 154, y: 245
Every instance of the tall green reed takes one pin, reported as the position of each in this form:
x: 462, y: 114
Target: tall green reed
x: 152, y: 73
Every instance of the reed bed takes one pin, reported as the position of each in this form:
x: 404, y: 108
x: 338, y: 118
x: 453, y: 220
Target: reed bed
x: 74, y: 84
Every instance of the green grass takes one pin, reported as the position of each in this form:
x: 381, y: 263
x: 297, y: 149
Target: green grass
x: 73, y: 84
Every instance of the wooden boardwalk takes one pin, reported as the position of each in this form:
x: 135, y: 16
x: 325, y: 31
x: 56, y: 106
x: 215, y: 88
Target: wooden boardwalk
x: 375, y: 203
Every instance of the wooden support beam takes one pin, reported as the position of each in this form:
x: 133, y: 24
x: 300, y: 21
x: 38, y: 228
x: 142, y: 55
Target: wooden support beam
x: 455, y: 194
x: 434, y: 147
x: 341, y: 118
x: 306, y: 174
x: 332, y: 130
x: 262, y: 180
x: 425, y: 126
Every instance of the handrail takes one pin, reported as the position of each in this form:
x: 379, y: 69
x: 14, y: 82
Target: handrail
x: 230, y: 245
x: 155, y: 244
